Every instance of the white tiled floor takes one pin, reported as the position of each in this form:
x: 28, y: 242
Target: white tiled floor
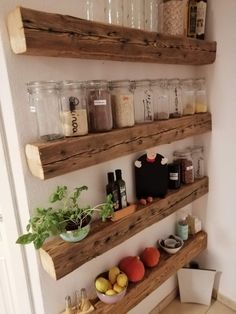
x: 176, y: 307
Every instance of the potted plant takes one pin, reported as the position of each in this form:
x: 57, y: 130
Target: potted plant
x: 68, y: 219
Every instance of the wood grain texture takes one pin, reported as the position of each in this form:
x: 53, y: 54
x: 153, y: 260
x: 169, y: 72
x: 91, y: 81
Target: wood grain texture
x: 48, y: 34
x: 59, y: 258
x: 50, y: 159
x: 156, y: 276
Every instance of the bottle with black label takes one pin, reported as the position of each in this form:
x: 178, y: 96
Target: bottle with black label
x: 201, y: 18
x: 174, y: 176
x: 192, y: 18
x: 122, y: 189
x: 112, y: 188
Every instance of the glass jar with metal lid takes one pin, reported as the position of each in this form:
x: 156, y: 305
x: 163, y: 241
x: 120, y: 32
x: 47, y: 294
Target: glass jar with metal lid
x: 198, y: 161
x: 188, y: 96
x: 122, y: 103
x: 99, y: 106
x: 143, y: 101
x: 74, y: 112
x: 201, y: 96
x: 161, y: 99
x: 175, y: 94
x: 184, y: 158
x: 44, y: 101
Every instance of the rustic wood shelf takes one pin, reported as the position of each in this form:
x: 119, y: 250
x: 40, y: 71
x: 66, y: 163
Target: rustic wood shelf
x: 50, y: 159
x: 48, y: 34
x: 154, y: 277
x: 59, y: 258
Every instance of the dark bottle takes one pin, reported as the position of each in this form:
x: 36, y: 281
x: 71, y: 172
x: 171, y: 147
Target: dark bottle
x: 174, y: 176
x: 112, y: 188
x: 192, y: 18
x: 201, y: 19
x: 122, y: 189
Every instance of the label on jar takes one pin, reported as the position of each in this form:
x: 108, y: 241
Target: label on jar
x: 174, y: 176
x: 189, y: 168
x: 75, y: 122
x: 123, y: 197
x: 201, y: 17
x: 147, y: 103
x: 100, y: 102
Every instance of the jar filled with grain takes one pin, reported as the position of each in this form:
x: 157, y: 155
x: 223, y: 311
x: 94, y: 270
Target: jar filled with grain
x: 172, y: 17
x: 184, y: 158
x: 188, y: 97
x: 175, y: 94
x: 122, y: 99
x: 198, y: 161
x: 143, y: 101
x: 201, y: 96
x: 74, y: 112
x: 99, y: 106
x: 160, y: 99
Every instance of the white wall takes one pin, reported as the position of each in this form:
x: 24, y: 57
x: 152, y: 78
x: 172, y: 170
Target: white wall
x: 32, y: 192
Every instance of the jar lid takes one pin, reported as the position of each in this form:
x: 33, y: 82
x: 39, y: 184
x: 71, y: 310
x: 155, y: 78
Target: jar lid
x: 197, y: 149
x: 96, y: 84
x: 182, y: 153
x: 163, y: 83
x: 140, y: 83
x: 187, y: 82
x: 174, y: 81
x: 120, y: 83
x: 71, y: 84
x: 40, y: 85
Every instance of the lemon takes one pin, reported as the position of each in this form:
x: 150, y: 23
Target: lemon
x: 110, y: 292
x: 122, y: 280
x: 102, y: 284
x: 113, y: 273
x: 117, y: 288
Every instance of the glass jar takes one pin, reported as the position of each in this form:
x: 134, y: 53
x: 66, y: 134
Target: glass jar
x: 160, y: 99
x: 99, y: 106
x: 122, y: 99
x: 74, y: 113
x: 198, y: 161
x: 143, y: 101
x: 201, y: 96
x: 171, y: 17
x: 93, y: 11
x: 184, y: 158
x: 134, y: 13
x: 114, y: 12
x: 44, y: 101
x: 188, y: 97
x: 175, y: 94
x: 151, y: 15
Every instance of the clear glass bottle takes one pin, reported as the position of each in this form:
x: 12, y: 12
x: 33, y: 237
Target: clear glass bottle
x: 99, y: 106
x: 74, y: 112
x: 201, y: 96
x: 114, y: 12
x: 184, y: 158
x: 122, y: 103
x: 134, y: 13
x: 188, y: 97
x: 172, y: 17
x: 143, y: 101
x: 151, y: 15
x: 160, y: 99
x: 198, y: 161
x: 175, y: 94
x: 44, y: 101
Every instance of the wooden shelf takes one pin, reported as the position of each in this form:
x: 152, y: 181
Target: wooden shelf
x: 48, y: 34
x: 59, y: 258
x: 50, y: 159
x: 154, y: 277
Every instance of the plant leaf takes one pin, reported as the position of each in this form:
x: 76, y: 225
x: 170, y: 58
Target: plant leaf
x: 26, y: 238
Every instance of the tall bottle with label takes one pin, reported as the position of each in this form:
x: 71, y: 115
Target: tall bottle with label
x: 192, y: 18
x: 112, y: 188
x: 122, y: 189
x: 201, y: 18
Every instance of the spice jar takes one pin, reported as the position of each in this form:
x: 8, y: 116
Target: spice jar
x: 151, y: 15
x: 188, y: 97
x: 134, y: 13
x: 99, y: 106
x: 201, y: 97
x: 160, y: 99
x: 184, y: 158
x: 175, y: 94
x: 143, y: 101
x: 172, y: 17
x: 44, y: 101
x: 182, y: 229
x: 74, y: 113
x: 114, y: 12
x: 174, y: 176
x: 122, y: 103
x: 198, y: 161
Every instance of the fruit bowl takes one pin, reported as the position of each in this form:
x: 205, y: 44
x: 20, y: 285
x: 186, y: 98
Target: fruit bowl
x: 110, y: 299
x: 172, y: 244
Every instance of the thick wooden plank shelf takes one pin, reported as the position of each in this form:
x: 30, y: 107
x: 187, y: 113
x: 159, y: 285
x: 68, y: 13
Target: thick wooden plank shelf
x: 167, y: 266
x: 50, y: 159
x: 59, y: 258
x: 47, y: 34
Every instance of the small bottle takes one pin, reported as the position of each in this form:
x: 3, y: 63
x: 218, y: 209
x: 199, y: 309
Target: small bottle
x: 192, y: 18
x: 201, y: 19
x: 182, y: 229
x: 112, y: 188
x: 69, y: 309
x: 174, y: 176
x: 122, y: 189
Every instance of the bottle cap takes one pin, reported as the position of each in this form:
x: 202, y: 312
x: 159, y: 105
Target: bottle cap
x: 111, y: 177
x: 118, y: 173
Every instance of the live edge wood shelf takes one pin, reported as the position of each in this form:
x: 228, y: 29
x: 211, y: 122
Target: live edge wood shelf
x: 49, y: 34
x: 59, y: 258
x: 50, y: 159
x: 154, y: 277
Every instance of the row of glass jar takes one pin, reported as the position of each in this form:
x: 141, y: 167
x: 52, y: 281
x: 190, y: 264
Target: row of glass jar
x: 73, y: 108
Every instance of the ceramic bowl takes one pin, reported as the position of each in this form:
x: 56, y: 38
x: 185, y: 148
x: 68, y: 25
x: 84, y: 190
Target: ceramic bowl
x: 169, y: 244
x: 75, y: 235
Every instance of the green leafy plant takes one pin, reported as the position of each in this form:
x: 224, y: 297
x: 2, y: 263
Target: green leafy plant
x: 68, y: 215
